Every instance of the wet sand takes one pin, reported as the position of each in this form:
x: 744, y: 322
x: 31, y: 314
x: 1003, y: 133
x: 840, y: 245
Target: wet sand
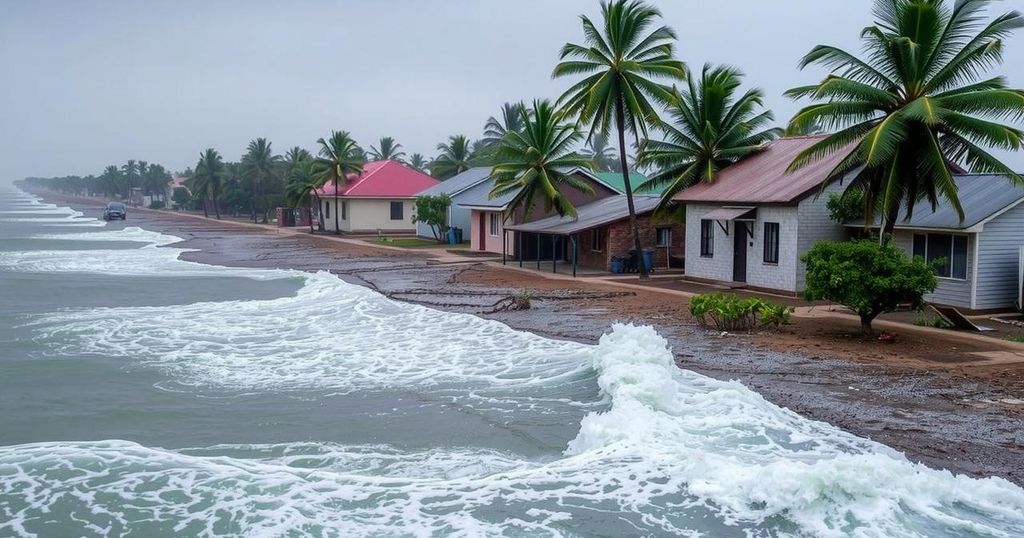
x: 926, y: 396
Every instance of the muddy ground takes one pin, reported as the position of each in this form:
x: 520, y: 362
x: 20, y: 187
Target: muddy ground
x: 922, y: 395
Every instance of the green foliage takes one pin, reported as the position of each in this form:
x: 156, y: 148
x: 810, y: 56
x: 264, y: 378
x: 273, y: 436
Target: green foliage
x: 433, y: 211
x: 1016, y: 338
x: 728, y: 312
x: 260, y: 169
x: 339, y: 157
x: 866, y: 277
x: 845, y: 207
x: 923, y: 319
x: 495, y: 129
x: 387, y: 149
x: 536, y: 162
x: 156, y: 204
x: 456, y: 157
x: 916, y: 103
x: 181, y: 197
x: 711, y: 128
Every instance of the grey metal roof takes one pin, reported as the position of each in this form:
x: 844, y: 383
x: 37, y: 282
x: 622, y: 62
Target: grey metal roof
x: 981, y: 196
x: 592, y: 215
x: 458, y: 184
x: 479, y: 196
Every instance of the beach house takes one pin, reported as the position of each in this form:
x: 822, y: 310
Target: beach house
x: 381, y: 199
x: 458, y: 189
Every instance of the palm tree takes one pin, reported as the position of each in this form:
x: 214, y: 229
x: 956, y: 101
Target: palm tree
x: 339, y: 157
x: 914, y: 105
x: 301, y: 188
x: 601, y: 155
x: 455, y: 158
x: 710, y: 129
x: 387, y: 149
x: 537, y: 161
x: 294, y: 156
x: 131, y: 173
x: 208, y: 179
x: 111, y: 178
x: 618, y: 61
x: 258, y: 165
x: 418, y: 161
x: 495, y: 129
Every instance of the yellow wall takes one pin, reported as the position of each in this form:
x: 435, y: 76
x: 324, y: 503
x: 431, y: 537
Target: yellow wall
x: 370, y: 215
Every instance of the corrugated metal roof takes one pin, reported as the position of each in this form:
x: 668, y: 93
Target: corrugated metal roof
x: 460, y: 183
x: 729, y: 213
x: 480, y: 196
x: 981, y: 196
x: 614, y: 180
x: 762, y: 178
x: 589, y: 216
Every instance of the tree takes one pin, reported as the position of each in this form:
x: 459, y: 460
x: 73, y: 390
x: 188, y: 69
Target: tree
x: 602, y: 156
x: 208, y: 180
x: 112, y: 181
x: 387, y: 149
x: 294, y: 156
x: 539, y: 161
x: 433, y: 211
x: 301, y: 188
x: 710, y: 129
x: 495, y: 129
x: 180, y: 197
x: 418, y: 161
x: 617, y: 62
x: 339, y: 157
x: 914, y: 105
x: 455, y: 158
x: 258, y: 168
x: 131, y: 175
x: 866, y: 277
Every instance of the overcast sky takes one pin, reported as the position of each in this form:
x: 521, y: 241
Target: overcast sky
x: 90, y: 83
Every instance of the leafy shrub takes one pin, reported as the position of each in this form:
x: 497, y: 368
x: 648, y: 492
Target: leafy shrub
x: 433, y: 211
x: 846, y: 207
x: 156, y: 204
x: 1019, y: 338
x: 728, y: 312
x: 866, y: 277
x: 922, y: 319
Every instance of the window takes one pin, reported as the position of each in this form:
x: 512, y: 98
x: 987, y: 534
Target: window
x: 951, y: 249
x: 707, y: 238
x: 397, y: 210
x: 495, y: 221
x: 344, y: 210
x: 327, y: 209
x: 597, y: 240
x: 771, y: 242
x: 663, y: 237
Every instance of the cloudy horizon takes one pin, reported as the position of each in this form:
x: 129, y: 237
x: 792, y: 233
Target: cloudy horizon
x: 91, y: 84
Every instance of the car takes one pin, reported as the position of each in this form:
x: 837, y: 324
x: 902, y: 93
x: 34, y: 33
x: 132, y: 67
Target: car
x: 115, y: 210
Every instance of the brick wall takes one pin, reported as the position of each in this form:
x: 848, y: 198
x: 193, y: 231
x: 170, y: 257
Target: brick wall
x: 619, y: 241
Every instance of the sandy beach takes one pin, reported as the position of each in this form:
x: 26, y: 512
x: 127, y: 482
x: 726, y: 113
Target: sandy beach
x: 931, y: 396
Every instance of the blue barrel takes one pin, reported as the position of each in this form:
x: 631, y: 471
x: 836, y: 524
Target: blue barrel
x: 648, y: 256
x: 453, y: 239
x: 618, y: 266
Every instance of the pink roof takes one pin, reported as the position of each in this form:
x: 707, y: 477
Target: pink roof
x: 382, y: 179
x: 763, y: 178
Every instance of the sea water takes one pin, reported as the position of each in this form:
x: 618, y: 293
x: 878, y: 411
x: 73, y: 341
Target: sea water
x: 142, y: 395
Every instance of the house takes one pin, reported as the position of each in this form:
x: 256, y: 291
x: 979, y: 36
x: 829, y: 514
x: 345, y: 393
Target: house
x: 456, y: 188
x: 751, y: 225
x: 489, y: 216
x: 981, y: 253
x: 380, y: 199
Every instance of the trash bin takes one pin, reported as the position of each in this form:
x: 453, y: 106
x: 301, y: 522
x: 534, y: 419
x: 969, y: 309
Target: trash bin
x: 452, y: 237
x: 648, y: 257
x: 618, y: 265
x: 458, y: 235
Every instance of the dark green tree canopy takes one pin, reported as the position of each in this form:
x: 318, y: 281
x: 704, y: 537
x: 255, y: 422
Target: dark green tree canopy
x: 456, y: 157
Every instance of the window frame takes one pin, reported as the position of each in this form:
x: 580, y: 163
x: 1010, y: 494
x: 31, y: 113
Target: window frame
x: 344, y: 210
x: 707, y: 238
x: 772, y: 239
x: 401, y: 210
x: 597, y: 240
x: 327, y: 209
x: 657, y: 236
x: 950, y: 258
x: 493, y: 224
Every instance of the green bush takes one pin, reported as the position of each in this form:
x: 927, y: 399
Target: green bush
x: 866, y: 277
x: 727, y: 312
x: 846, y: 207
x: 922, y: 319
x: 156, y: 204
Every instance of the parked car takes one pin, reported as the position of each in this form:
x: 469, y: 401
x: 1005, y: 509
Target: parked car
x: 115, y: 210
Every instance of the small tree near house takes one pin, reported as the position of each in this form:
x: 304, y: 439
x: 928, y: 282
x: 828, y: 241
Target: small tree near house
x: 433, y: 211
x: 867, y: 277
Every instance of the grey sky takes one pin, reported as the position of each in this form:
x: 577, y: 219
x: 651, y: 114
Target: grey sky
x: 86, y: 84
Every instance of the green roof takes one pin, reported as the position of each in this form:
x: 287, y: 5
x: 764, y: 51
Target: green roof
x: 614, y: 180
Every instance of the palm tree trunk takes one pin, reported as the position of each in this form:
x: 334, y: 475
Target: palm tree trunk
x: 206, y: 210
x: 216, y: 206
x: 309, y: 215
x: 337, y: 227
x: 888, y: 223
x: 620, y: 119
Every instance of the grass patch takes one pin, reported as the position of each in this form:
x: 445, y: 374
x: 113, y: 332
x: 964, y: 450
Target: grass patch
x: 406, y: 242
x: 924, y: 319
x: 1019, y: 338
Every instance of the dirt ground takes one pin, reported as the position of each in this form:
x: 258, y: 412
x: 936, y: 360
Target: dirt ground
x: 938, y: 398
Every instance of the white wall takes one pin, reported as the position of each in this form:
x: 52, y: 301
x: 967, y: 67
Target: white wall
x: 816, y: 225
x: 367, y: 215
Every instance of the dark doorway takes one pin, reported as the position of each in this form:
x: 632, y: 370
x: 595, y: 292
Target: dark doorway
x: 739, y: 252
x: 483, y: 230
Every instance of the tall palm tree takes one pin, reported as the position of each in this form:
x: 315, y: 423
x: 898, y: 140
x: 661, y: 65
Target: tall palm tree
x: 456, y: 157
x: 418, y: 161
x: 130, y: 170
x: 601, y: 154
x: 710, y: 129
x: 617, y: 62
x: 111, y: 180
x: 301, y: 188
x: 339, y: 157
x: 495, y: 129
x: 294, y: 156
x: 536, y: 161
x: 387, y: 149
x: 258, y: 167
x: 208, y: 179
x: 916, y: 103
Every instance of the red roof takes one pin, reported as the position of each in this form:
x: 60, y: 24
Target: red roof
x: 762, y: 178
x: 382, y: 179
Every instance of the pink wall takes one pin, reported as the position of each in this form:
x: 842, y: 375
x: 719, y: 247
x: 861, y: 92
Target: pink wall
x: 489, y: 242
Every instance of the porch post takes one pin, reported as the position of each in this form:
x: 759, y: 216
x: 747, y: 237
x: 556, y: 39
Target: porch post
x: 538, y: 252
x: 519, y: 240
x: 504, y: 241
x: 554, y: 253
x: 575, y: 246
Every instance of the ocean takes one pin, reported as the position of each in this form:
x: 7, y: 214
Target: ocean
x: 142, y: 395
